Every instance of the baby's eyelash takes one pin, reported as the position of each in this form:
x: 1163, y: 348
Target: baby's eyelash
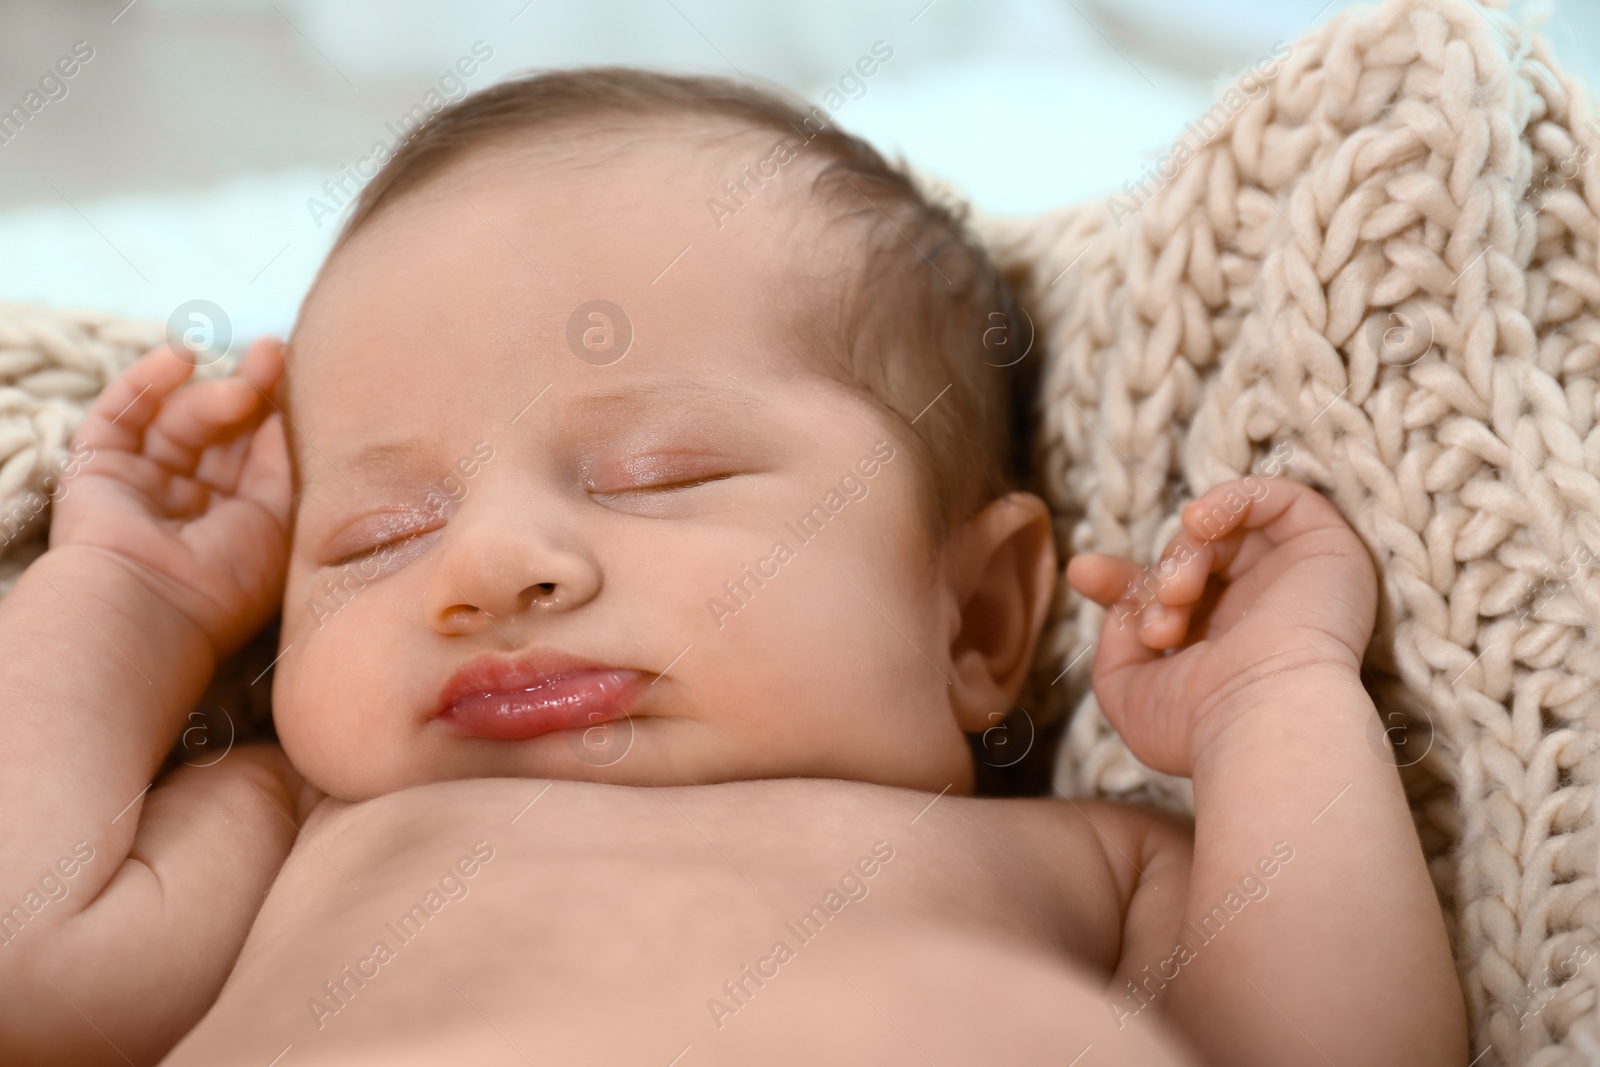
x: 665, y: 484
x: 346, y: 560
x: 657, y: 474
x: 391, y: 544
x: 679, y: 484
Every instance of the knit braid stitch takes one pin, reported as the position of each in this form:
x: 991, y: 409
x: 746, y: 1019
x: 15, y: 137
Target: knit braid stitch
x: 1380, y: 278
x: 53, y: 363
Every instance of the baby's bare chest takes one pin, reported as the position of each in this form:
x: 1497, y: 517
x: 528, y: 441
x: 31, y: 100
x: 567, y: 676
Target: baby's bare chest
x: 687, y: 903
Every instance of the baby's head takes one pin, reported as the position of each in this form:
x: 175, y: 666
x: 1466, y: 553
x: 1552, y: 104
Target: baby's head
x: 679, y: 424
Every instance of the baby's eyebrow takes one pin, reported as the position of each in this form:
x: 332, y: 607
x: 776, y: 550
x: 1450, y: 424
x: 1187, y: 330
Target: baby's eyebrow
x: 694, y: 402
x: 373, y: 462
x: 390, y: 456
x: 670, y: 392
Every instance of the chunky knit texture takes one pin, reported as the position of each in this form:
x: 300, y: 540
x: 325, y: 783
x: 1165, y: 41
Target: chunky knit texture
x: 1380, y: 278
x: 1377, y: 275
x: 52, y: 365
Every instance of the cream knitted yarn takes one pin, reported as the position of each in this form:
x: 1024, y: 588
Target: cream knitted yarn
x: 52, y: 364
x: 1379, y: 277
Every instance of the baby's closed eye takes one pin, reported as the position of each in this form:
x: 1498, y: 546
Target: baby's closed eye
x: 392, y: 535
x: 657, y: 485
x: 658, y: 472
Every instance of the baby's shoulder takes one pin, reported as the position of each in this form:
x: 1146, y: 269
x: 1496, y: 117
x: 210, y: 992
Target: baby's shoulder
x: 1080, y: 840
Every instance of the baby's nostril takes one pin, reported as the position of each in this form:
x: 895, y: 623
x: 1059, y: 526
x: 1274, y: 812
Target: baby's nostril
x: 460, y: 615
x: 547, y: 588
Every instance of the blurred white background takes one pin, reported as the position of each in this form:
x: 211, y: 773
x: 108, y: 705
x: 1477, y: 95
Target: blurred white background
x: 181, y: 160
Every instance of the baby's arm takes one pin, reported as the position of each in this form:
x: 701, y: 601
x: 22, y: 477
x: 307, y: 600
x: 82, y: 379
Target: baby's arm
x: 121, y: 911
x: 1311, y: 932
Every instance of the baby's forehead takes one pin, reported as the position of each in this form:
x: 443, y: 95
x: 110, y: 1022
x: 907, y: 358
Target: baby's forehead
x: 589, y: 210
x: 720, y: 188
x: 714, y: 168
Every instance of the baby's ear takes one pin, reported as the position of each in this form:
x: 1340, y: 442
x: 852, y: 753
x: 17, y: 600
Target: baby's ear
x: 1003, y: 570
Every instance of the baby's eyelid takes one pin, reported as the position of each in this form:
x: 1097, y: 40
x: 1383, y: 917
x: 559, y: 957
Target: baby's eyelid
x: 396, y: 549
x: 667, y: 485
x: 374, y: 532
x: 654, y: 473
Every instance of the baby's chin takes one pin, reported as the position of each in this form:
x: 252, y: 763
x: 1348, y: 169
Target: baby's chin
x: 643, y: 751
x: 636, y: 752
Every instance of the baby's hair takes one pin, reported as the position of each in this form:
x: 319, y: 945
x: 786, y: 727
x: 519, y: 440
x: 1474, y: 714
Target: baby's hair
x: 922, y: 323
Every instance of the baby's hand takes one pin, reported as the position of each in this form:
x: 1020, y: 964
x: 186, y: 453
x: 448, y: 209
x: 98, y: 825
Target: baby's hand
x: 1182, y: 656
x: 189, y: 488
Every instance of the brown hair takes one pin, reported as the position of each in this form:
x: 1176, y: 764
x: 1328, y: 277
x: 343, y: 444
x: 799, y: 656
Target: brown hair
x: 923, y: 323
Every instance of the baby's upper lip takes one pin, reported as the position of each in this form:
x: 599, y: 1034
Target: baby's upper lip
x: 509, y: 672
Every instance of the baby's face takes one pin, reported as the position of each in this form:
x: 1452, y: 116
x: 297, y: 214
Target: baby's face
x: 522, y: 551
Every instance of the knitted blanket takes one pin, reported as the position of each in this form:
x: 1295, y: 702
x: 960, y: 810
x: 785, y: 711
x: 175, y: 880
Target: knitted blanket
x: 1372, y: 266
x: 52, y: 365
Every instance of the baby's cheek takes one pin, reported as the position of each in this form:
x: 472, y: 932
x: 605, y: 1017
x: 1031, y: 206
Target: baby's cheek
x: 307, y: 717
x: 832, y: 675
x: 328, y: 687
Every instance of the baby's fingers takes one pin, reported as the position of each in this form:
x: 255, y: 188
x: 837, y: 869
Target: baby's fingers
x: 197, y: 417
x: 1134, y: 684
x: 1282, y: 508
x: 1180, y: 578
x: 220, y: 465
x: 262, y: 365
x: 1123, y: 587
x: 265, y: 477
x: 1102, y: 578
x: 118, y: 417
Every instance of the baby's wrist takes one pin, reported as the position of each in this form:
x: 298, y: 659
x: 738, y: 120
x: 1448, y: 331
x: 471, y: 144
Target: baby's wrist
x: 1303, y: 706
x: 117, y: 596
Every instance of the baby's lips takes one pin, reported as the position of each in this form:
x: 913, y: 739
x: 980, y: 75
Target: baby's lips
x: 580, y: 700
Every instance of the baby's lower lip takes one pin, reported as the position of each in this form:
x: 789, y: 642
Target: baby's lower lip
x: 564, y: 702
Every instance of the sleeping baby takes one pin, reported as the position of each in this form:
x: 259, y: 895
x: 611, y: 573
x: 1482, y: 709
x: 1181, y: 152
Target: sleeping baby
x: 645, y: 572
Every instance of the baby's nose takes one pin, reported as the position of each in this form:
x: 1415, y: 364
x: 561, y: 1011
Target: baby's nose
x: 488, y: 574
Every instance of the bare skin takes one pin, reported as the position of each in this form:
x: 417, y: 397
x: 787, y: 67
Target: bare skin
x: 1296, y: 925
x: 605, y: 928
